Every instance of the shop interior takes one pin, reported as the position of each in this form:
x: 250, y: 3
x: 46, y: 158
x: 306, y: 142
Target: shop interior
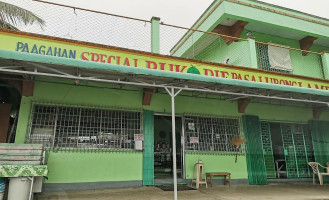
x: 278, y: 150
x: 163, y: 162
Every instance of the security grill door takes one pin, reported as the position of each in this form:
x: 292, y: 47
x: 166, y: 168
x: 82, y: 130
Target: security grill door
x: 289, y: 146
x: 297, y: 149
x: 319, y: 130
x: 268, y: 150
x: 289, y: 150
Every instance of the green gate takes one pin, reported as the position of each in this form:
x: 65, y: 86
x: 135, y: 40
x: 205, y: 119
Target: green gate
x: 297, y: 149
x: 255, y: 158
x: 289, y: 150
x: 320, y: 139
x: 302, y: 150
x: 268, y: 150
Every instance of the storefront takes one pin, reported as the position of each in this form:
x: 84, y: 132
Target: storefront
x: 104, y: 114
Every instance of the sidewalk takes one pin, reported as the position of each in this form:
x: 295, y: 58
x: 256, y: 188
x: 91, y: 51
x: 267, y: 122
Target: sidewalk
x: 245, y: 192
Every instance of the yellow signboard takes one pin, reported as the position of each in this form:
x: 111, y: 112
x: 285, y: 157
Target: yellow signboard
x: 96, y: 53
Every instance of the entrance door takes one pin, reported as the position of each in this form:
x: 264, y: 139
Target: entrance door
x: 289, y: 150
x: 297, y: 150
x: 268, y: 150
x: 320, y: 136
x: 288, y: 147
x: 163, y: 162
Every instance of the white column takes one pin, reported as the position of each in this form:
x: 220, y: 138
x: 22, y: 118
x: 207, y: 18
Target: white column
x: 173, y: 129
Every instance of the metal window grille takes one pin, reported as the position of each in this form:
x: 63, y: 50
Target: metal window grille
x: 66, y: 127
x: 212, y: 134
x: 309, y: 64
x: 264, y: 61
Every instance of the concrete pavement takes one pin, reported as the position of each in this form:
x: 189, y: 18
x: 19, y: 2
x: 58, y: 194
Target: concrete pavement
x: 235, y: 192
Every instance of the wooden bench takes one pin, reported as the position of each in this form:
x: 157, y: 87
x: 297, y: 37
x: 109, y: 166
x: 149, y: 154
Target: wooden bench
x: 23, y: 160
x: 212, y: 174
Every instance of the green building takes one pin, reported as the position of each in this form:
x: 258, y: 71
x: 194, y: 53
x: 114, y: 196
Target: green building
x: 245, y: 69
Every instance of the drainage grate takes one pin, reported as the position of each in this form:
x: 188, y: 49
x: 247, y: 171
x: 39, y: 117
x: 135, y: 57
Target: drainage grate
x: 171, y: 187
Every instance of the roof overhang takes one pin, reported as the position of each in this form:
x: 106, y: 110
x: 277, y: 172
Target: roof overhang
x: 261, y: 18
x: 48, y: 66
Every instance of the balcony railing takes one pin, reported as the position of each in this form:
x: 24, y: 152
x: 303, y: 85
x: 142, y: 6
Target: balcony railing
x: 126, y: 32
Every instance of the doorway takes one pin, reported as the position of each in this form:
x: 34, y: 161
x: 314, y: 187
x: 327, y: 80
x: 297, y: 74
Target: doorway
x: 288, y: 148
x: 163, y: 162
x: 10, y: 99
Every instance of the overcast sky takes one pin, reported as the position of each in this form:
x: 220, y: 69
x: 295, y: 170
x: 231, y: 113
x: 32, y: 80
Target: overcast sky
x: 108, y: 30
x: 183, y: 12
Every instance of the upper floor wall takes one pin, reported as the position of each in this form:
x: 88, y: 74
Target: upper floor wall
x: 240, y: 53
x: 225, y: 12
x: 303, y: 38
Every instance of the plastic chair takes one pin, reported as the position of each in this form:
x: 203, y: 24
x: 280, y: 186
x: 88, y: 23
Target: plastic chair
x: 315, y: 168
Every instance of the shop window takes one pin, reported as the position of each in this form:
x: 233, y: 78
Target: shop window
x: 212, y: 134
x: 79, y: 127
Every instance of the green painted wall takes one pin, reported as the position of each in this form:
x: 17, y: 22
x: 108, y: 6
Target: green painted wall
x: 253, y: 53
x: 216, y: 163
x: 184, y: 104
x: 309, y: 65
x: 290, y: 11
x: 279, y: 113
x: 23, y: 119
x: 155, y: 35
x: 209, y: 24
x: 262, y: 4
x: 261, y: 37
x: 276, y: 20
x: 261, y: 17
x: 240, y: 54
x: 71, y: 167
x: 75, y: 167
x: 218, y: 51
x: 325, y: 59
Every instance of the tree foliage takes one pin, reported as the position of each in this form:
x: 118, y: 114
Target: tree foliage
x: 11, y: 16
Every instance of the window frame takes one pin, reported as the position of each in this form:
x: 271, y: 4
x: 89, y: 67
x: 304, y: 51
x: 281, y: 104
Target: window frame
x: 88, y: 140
x: 229, y: 149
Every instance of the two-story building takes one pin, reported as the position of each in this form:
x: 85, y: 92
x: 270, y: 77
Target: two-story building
x: 245, y: 69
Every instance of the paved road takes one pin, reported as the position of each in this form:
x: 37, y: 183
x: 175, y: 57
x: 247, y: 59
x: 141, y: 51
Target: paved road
x: 235, y: 192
